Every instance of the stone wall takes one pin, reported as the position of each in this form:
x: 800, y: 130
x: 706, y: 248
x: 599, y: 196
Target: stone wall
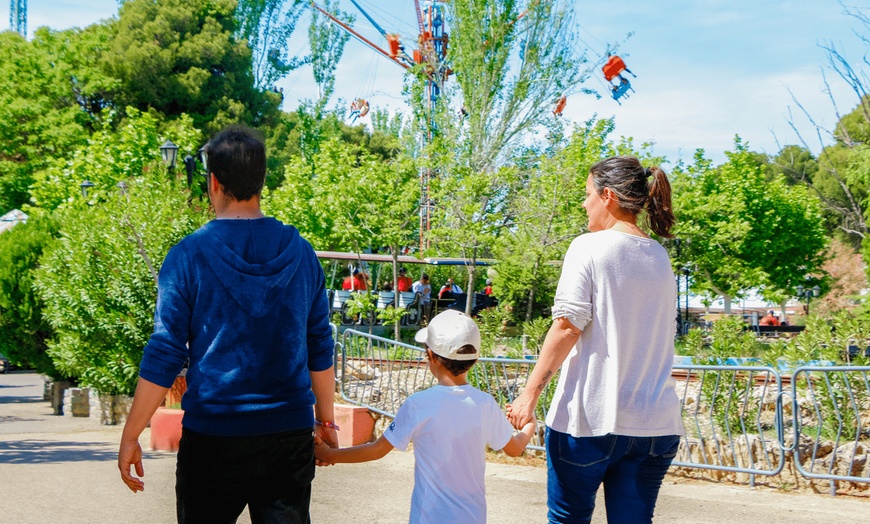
x: 76, y: 402
x: 102, y: 409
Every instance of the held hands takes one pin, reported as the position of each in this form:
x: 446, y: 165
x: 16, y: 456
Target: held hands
x: 130, y: 454
x: 325, y: 439
x: 522, y: 411
x: 322, y: 453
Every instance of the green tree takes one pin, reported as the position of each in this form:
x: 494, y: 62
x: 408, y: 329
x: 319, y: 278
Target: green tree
x: 267, y: 25
x: 109, y: 157
x: 354, y: 201
x: 512, y: 60
x: 98, y: 280
x: 181, y: 56
x: 841, y: 180
x: 746, y: 232
x: 40, y: 115
x: 546, y: 215
x: 23, y: 329
x: 471, y: 212
x: 327, y: 42
x: 299, y: 133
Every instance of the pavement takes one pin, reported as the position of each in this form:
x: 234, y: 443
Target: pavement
x: 63, y: 470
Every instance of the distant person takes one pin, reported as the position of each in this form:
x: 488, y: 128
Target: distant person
x: 449, y: 289
x: 423, y: 287
x: 614, y: 418
x: 769, y: 320
x: 243, y: 299
x: 488, y: 289
x: 450, y: 425
x: 356, y: 281
x: 404, y: 282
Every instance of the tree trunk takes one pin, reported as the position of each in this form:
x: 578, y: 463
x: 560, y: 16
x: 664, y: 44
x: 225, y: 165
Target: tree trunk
x: 469, y: 301
x: 727, y: 300
x: 531, y: 303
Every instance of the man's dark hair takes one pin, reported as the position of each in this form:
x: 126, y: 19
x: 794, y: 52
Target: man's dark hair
x: 424, y: 277
x: 458, y: 367
x: 237, y: 157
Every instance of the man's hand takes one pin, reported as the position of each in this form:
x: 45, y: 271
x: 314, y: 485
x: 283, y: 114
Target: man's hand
x: 327, y: 437
x: 322, y: 453
x: 130, y: 454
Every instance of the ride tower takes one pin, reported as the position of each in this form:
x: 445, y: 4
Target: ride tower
x: 431, y: 53
x: 18, y: 17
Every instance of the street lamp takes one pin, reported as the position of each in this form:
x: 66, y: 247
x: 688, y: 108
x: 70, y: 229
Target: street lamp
x: 85, y: 186
x: 685, y: 270
x: 808, y: 293
x: 169, y: 152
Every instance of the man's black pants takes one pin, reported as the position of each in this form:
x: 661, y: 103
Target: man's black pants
x: 216, y: 477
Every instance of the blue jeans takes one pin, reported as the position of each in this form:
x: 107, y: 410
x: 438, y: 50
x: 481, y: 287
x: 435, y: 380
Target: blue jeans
x: 631, y: 468
x: 216, y: 477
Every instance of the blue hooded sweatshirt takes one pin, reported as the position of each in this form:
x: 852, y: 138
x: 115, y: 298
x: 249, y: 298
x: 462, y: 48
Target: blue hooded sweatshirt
x: 245, y: 302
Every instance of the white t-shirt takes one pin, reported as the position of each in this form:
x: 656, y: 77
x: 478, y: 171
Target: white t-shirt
x: 424, y: 289
x: 450, y: 427
x: 620, y: 290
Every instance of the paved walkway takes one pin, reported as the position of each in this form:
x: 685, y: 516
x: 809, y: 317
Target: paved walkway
x: 63, y: 470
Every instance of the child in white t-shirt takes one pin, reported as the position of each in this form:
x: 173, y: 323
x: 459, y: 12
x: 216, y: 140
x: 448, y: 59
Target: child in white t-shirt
x: 450, y: 424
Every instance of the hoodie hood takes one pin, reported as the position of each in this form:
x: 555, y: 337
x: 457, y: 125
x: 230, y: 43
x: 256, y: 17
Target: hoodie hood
x: 254, y: 260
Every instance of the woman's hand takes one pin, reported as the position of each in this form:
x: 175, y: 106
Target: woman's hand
x: 522, y: 410
x: 560, y: 339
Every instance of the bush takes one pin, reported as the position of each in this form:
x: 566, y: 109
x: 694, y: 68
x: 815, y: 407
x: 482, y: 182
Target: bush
x: 98, y: 280
x: 23, y: 329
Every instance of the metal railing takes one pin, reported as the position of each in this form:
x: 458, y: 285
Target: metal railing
x: 732, y: 416
x: 740, y: 421
x: 831, y: 414
x: 379, y: 374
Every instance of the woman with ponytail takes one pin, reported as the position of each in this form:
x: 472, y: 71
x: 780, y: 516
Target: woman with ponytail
x: 615, y: 416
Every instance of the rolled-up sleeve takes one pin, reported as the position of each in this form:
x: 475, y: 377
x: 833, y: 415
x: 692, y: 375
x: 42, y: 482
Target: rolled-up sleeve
x: 573, y: 300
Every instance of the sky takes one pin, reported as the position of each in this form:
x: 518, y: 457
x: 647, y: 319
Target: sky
x: 707, y: 70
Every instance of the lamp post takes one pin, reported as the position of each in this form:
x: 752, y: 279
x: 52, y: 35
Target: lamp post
x: 808, y: 293
x: 190, y: 167
x: 684, y: 270
x: 169, y: 152
x: 85, y: 186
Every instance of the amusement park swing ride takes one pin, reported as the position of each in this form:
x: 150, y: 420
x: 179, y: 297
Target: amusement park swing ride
x: 431, y: 51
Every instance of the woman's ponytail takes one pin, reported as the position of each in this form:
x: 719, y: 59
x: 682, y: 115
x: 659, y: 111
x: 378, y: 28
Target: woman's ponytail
x: 660, y: 213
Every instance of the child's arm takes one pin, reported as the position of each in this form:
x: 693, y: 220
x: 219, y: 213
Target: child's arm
x: 517, y: 444
x: 362, y: 453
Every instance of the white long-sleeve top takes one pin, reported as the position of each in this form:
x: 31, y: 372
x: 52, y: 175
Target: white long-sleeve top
x: 619, y: 289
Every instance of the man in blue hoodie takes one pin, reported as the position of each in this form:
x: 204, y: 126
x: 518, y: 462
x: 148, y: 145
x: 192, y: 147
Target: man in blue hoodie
x: 242, y: 300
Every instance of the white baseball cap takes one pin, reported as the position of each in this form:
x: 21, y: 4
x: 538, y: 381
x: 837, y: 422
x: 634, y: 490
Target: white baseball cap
x: 448, y: 333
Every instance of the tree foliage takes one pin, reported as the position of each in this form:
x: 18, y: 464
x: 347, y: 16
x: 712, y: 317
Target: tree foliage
x: 181, y: 56
x: 98, y: 280
x: 512, y: 60
x: 745, y: 232
x: 546, y: 215
x: 354, y: 200
x: 109, y: 157
x: 267, y: 25
x: 23, y: 329
x: 327, y: 42
x: 40, y: 115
